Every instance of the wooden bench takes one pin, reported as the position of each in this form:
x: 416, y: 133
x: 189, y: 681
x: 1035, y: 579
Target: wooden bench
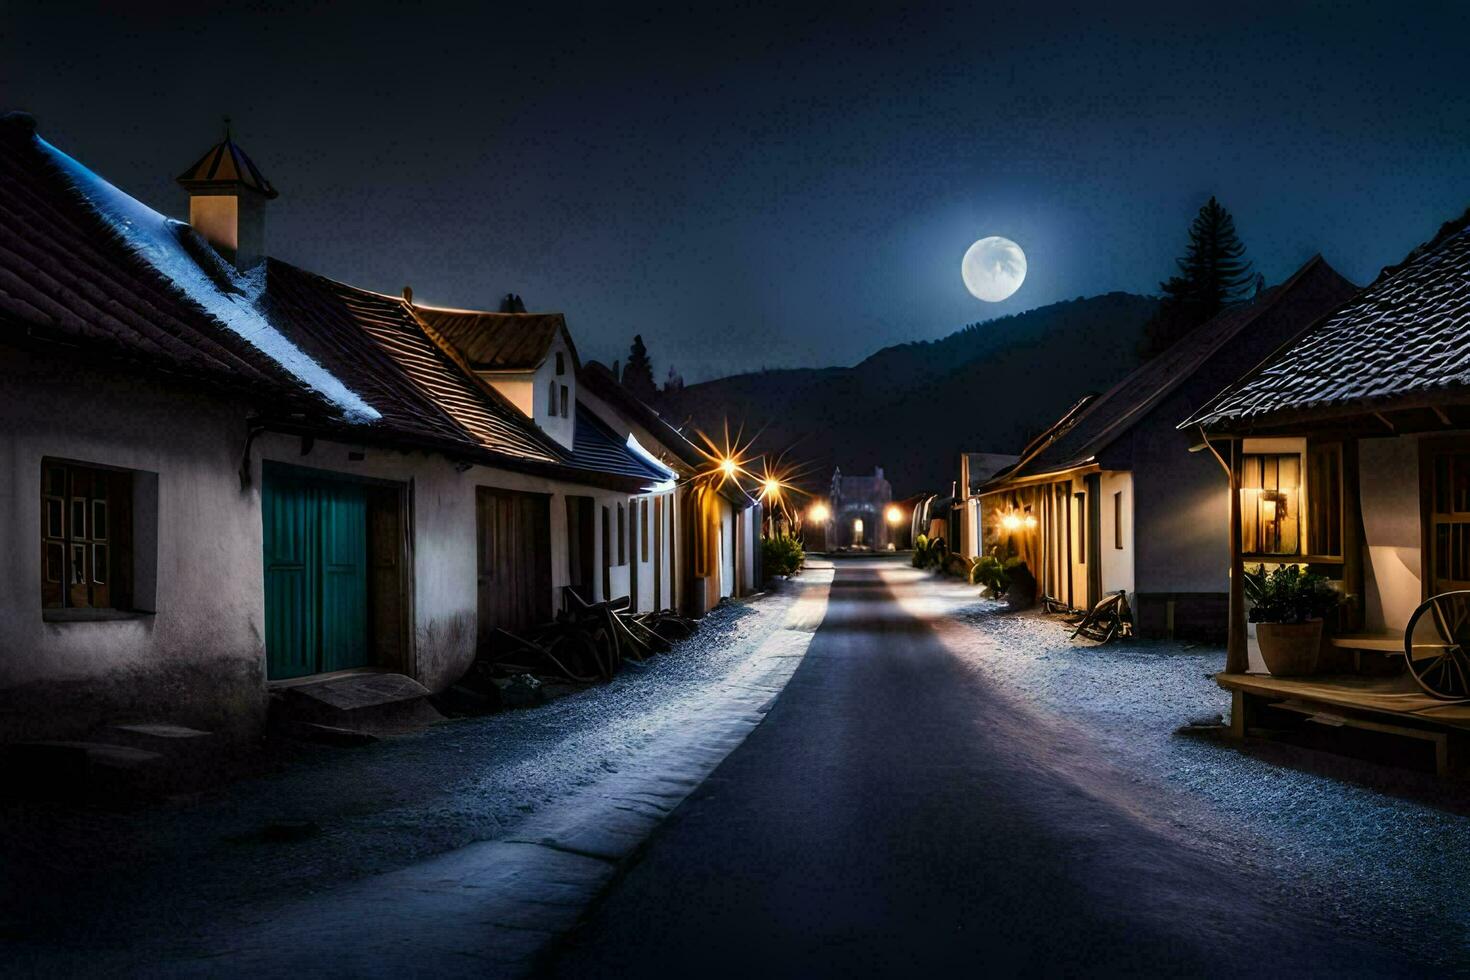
x: 1390, y: 705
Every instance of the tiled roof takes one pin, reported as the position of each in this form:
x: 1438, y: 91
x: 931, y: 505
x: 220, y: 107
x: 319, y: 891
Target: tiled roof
x: 1282, y: 311
x: 69, y: 272
x: 1406, y: 336
x: 226, y: 166
x: 498, y: 341
x: 597, y: 447
x: 597, y: 379
x: 375, y: 344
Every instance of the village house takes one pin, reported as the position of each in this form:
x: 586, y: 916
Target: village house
x: 1348, y: 452
x: 714, y: 522
x: 1107, y: 499
x: 227, y: 474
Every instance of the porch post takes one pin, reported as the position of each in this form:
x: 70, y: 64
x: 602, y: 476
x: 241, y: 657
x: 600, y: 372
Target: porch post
x: 1237, y: 661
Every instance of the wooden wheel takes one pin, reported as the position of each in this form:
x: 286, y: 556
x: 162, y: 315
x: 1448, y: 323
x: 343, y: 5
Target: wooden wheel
x: 1437, y: 646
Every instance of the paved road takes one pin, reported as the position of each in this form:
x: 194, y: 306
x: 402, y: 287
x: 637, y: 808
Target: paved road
x: 892, y: 817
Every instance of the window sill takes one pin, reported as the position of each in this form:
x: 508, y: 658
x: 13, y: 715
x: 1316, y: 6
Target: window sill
x: 92, y: 615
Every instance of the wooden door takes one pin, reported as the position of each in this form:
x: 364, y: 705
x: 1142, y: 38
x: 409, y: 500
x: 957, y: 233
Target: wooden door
x: 314, y: 535
x: 514, y: 557
x: 581, y: 547
x: 288, y: 517
x: 342, y: 509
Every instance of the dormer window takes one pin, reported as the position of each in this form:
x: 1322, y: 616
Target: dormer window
x: 561, y: 366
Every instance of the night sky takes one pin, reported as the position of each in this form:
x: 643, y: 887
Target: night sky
x: 748, y: 188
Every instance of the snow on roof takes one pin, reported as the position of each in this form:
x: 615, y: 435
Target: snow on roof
x: 225, y: 294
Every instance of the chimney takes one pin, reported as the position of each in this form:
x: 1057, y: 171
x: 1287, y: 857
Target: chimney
x: 227, y: 198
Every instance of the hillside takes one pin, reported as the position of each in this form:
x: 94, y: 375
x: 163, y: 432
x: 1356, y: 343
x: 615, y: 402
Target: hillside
x: 914, y: 407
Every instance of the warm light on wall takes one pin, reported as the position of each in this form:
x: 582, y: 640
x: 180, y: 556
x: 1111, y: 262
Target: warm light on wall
x: 1030, y: 522
x: 819, y: 512
x: 894, y: 515
x: 1011, y: 522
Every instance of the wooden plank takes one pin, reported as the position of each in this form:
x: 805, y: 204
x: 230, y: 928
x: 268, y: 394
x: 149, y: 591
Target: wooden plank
x: 1376, y: 642
x: 1386, y: 696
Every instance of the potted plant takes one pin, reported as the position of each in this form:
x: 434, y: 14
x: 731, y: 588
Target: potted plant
x: 1287, y: 605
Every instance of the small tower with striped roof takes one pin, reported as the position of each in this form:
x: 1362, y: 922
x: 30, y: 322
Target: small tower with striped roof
x: 227, y: 198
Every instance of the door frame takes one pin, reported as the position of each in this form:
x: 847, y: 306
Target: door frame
x: 403, y: 491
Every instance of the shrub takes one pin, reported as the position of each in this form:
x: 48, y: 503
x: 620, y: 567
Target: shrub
x: 1288, y: 594
x: 782, y: 555
x: 1006, y: 576
x: 921, y: 551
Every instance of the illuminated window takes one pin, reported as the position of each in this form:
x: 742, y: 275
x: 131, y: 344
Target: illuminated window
x: 1270, y: 503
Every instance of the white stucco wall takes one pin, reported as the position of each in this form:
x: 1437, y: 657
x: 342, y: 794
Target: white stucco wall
x: 200, y: 654
x: 530, y: 391
x: 727, y: 548
x: 1117, y: 563
x: 1389, y: 487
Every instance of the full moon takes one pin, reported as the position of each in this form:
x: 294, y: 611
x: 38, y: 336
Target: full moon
x: 993, y: 268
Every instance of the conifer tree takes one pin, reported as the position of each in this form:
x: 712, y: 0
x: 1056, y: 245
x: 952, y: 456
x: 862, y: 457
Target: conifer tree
x: 638, y: 372
x: 1213, y: 273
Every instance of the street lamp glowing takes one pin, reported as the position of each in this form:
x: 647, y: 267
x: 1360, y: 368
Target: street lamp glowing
x: 773, y: 487
x: 819, y: 512
x: 727, y: 466
x: 893, y: 514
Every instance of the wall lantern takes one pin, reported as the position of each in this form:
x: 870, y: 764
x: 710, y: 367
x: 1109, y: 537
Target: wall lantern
x: 894, y: 515
x: 819, y: 513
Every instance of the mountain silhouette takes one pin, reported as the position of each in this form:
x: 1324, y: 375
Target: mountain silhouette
x: 912, y: 408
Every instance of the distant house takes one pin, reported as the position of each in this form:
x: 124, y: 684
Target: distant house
x: 858, y: 511
x: 1349, y: 451
x: 714, y: 524
x: 1109, y: 499
x: 227, y: 474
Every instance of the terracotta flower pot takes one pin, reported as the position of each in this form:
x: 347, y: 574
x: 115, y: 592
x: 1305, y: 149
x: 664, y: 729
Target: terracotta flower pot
x: 1290, y: 649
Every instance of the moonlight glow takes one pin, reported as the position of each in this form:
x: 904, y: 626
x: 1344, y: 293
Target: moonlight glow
x: 993, y: 268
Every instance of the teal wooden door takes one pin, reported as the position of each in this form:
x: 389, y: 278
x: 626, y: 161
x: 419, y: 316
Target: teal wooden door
x: 315, y: 543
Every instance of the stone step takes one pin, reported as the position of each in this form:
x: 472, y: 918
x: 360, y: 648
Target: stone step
x: 81, y: 770
x: 174, y: 741
x: 366, y: 702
